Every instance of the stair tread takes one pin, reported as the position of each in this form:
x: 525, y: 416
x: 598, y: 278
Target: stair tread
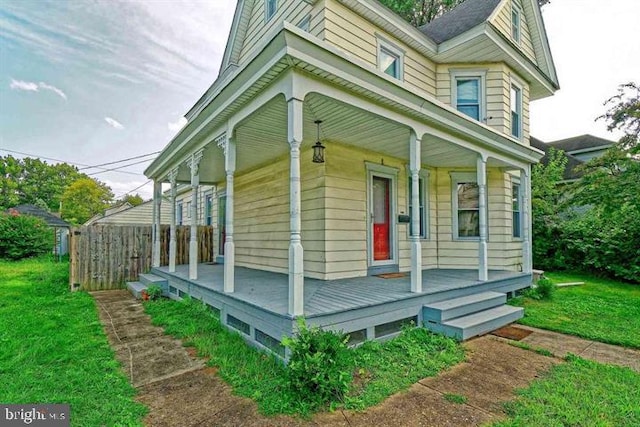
x: 465, y: 300
x: 482, y: 316
x: 138, y: 286
x: 152, y: 277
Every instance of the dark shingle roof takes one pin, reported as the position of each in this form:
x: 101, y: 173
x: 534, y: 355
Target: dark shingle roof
x: 51, y: 220
x: 581, y: 142
x: 464, y: 17
x: 572, y: 162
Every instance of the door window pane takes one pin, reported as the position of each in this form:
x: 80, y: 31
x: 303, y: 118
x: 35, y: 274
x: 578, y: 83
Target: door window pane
x: 468, y: 209
x: 380, y: 194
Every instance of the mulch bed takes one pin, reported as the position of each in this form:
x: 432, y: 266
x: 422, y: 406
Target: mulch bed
x: 512, y: 333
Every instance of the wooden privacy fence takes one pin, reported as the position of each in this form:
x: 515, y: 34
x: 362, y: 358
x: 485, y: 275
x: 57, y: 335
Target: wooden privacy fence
x: 106, y: 256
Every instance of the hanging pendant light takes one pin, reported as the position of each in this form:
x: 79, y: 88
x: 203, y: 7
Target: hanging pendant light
x: 318, y: 148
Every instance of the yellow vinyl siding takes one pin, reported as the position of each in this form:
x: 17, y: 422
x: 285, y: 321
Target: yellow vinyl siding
x: 502, y: 21
x: 359, y: 38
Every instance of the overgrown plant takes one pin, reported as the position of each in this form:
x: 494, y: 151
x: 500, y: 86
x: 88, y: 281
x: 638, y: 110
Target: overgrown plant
x: 154, y: 292
x: 544, y: 290
x: 320, y: 364
x: 23, y: 236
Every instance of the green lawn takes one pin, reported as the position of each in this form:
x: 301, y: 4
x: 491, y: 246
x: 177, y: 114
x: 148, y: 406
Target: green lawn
x: 578, y: 393
x: 381, y: 369
x: 602, y: 309
x: 53, y: 348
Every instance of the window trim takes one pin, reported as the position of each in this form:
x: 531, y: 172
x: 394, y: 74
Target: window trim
x: 424, y: 177
x: 516, y: 181
x: 305, y: 23
x: 520, y: 106
x: 208, y: 208
x: 516, y: 31
x: 189, y: 209
x: 466, y: 74
x: 458, y: 178
x: 268, y: 17
x: 179, y: 212
x: 393, y: 50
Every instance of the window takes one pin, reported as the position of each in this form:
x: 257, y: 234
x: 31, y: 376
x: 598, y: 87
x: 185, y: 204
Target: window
x: 516, y: 111
x: 208, y: 209
x: 270, y: 8
x: 179, y: 213
x: 466, y: 206
x: 305, y: 24
x: 516, y: 203
x: 222, y: 222
x: 515, y: 22
x: 189, y: 210
x: 390, y: 59
x: 468, y: 92
x: 423, y: 197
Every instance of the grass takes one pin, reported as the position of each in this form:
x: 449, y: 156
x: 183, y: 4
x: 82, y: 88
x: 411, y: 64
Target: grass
x: 455, y: 398
x: 525, y: 346
x: 381, y: 368
x: 578, y: 393
x: 602, y: 310
x: 53, y: 348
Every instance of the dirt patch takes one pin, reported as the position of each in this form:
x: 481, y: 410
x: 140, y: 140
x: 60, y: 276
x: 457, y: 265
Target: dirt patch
x: 512, y: 333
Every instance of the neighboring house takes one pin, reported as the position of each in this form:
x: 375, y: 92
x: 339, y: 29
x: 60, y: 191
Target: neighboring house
x: 583, y: 147
x: 365, y: 169
x: 60, y: 226
x: 130, y: 215
x: 570, y: 173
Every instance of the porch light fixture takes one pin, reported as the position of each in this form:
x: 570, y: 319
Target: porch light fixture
x: 318, y: 148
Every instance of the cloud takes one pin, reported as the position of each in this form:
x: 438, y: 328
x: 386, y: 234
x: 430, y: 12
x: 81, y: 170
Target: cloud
x: 114, y: 123
x: 177, y: 125
x: 35, y: 87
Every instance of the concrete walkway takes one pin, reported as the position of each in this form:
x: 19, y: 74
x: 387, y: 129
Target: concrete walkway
x: 561, y: 345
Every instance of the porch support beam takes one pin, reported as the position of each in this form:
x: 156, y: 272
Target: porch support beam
x: 172, y: 232
x: 296, y: 252
x: 525, y: 183
x: 194, y: 163
x: 483, y: 269
x: 416, y: 246
x: 228, y: 145
x: 157, y: 200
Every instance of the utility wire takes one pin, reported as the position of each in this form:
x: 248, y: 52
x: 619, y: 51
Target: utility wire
x: 120, y: 161
x: 119, y: 167
x: 131, y: 191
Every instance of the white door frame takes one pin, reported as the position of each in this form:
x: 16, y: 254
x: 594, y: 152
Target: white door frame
x: 391, y: 174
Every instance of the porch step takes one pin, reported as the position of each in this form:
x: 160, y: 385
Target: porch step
x: 458, y: 307
x: 465, y: 327
x: 136, y: 288
x: 152, y: 279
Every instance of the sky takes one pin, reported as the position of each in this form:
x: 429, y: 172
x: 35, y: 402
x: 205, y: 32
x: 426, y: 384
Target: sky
x: 95, y: 81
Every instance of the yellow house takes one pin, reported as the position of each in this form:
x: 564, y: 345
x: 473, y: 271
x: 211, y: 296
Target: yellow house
x: 365, y: 172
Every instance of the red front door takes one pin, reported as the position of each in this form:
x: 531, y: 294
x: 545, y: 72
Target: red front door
x: 381, y: 221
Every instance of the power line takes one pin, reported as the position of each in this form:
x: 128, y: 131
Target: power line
x: 131, y: 191
x: 120, y: 161
x: 119, y: 167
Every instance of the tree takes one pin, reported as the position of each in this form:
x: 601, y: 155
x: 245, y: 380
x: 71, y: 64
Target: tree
x: 420, y: 12
x: 85, y: 198
x: 133, y: 200
x: 624, y: 115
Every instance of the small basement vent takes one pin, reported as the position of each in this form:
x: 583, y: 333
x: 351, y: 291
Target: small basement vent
x: 395, y: 326
x: 215, y: 310
x: 238, y: 324
x: 270, y: 342
x: 173, y: 290
x: 181, y: 294
x: 357, y: 337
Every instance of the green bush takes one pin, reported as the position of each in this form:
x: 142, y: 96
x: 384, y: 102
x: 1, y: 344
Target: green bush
x: 24, y: 236
x: 154, y: 292
x: 545, y: 288
x: 320, y: 365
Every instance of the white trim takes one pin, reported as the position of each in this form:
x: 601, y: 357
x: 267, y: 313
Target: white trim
x: 468, y: 73
x: 374, y: 169
x: 393, y: 50
x: 457, y: 178
x: 424, y: 177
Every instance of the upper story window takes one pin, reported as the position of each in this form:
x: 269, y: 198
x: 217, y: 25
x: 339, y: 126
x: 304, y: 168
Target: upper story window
x: 270, y: 8
x: 516, y: 15
x: 390, y: 59
x: 305, y: 24
x: 179, y: 213
x: 516, y: 203
x: 516, y: 110
x: 465, y: 205
x: 423, y: 199
x: 468, y: 93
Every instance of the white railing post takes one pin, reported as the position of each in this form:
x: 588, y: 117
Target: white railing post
x: 483, y: 269
x: 416, y: 246
x: 194, y: 163
x: 296, y: 252
x: 157, y: 200
x: 173, y: 175
x: 525, y: 183
x: 228, y: 145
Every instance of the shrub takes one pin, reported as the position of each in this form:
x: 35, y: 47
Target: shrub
x: 154, y: 292
x: 24, y: 236
x: 544, y: 290
x: 320, y: 365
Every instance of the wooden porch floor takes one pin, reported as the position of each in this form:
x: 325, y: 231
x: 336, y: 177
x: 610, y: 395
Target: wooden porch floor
x: 269, y: 291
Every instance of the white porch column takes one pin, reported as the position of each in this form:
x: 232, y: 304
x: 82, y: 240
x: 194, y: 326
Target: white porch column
x: 172, y: 238
x: 296, y: 252
x: 483, y: 269
x: 229, y: 147
x: 416, y: 246
x: 525, y: 184
x: 157, y: 200
x: 194, y: 163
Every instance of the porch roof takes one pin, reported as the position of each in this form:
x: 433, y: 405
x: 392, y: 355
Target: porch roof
x: 289, y: 48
